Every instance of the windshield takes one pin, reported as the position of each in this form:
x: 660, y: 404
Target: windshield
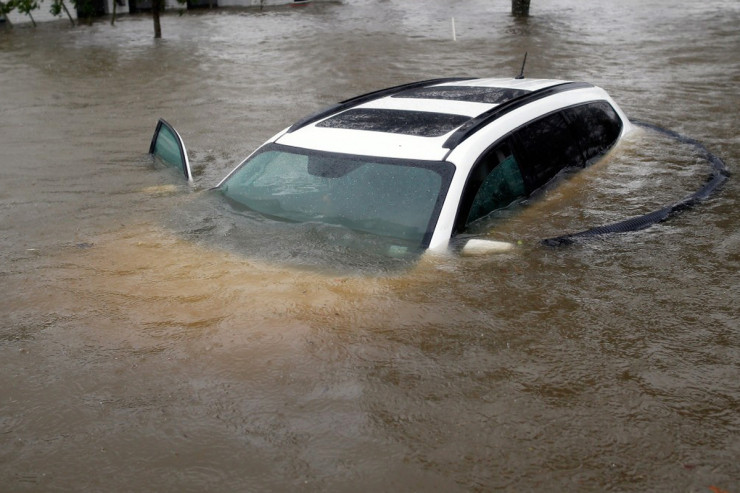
x: 400, y: 199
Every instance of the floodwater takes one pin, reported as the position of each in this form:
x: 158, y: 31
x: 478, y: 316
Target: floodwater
x: 142, y: 349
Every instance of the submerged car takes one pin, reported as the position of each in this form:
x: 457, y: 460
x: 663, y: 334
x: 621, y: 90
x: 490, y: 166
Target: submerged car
x: 423, y: 162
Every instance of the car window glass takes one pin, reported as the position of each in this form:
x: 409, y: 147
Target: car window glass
x: 168, y: 146
x: 501, y: 187
x: 597, y: 126
x: 419, y: 123
x: 546, y: 146
x: 387, y: 199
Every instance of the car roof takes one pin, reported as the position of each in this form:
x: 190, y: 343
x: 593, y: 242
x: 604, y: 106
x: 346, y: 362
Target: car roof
x: 422, y: 120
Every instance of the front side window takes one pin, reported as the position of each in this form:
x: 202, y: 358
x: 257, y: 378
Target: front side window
x: 168, y: 146
x: 501, y: 186
x: 394, y: 198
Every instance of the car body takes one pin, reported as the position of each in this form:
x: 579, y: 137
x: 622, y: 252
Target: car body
x: 422, y: 162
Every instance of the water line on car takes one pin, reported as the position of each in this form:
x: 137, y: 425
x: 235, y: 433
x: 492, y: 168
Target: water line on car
x: 719, y: 175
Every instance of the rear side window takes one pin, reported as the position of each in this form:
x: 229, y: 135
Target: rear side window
x: 574, y: 137
x: 545, y: 147
x: 520, y: 164
x: 597, y: 126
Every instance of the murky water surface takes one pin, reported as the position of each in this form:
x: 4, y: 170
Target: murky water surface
x: 143, y: 349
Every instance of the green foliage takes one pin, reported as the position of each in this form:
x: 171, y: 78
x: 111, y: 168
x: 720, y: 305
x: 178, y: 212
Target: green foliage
x: 6, y: 8
x: 85, y: 9
x: 4, y: 11
x: 22, y: 6
x: 56, y: 7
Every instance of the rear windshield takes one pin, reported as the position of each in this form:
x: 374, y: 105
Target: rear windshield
x: 400, y: 199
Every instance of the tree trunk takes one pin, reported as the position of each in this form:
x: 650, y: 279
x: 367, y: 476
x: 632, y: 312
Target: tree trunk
x: 520, y: 8
x: 64, y: 6
x: 156, y: 5
x: 113, y: 17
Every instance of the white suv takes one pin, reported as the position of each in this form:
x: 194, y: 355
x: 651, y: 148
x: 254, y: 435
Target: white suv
x: 419, y: 163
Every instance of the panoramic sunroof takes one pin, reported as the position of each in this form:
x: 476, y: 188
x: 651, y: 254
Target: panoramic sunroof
x: 418, y: 123
x: 490, y: 95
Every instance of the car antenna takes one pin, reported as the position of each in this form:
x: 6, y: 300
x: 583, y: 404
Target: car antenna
x: 521, y: 72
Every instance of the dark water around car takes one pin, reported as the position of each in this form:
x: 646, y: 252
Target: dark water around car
x: 141, y: 349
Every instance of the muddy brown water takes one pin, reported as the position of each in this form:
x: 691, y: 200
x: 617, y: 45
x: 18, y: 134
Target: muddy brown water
x: 142, y: 348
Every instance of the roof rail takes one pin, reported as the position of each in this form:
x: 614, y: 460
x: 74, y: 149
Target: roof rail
x: 348, y: 103
x: 474, y: 124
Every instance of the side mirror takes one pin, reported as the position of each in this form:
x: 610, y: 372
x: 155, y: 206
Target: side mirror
x: 477, y: 246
